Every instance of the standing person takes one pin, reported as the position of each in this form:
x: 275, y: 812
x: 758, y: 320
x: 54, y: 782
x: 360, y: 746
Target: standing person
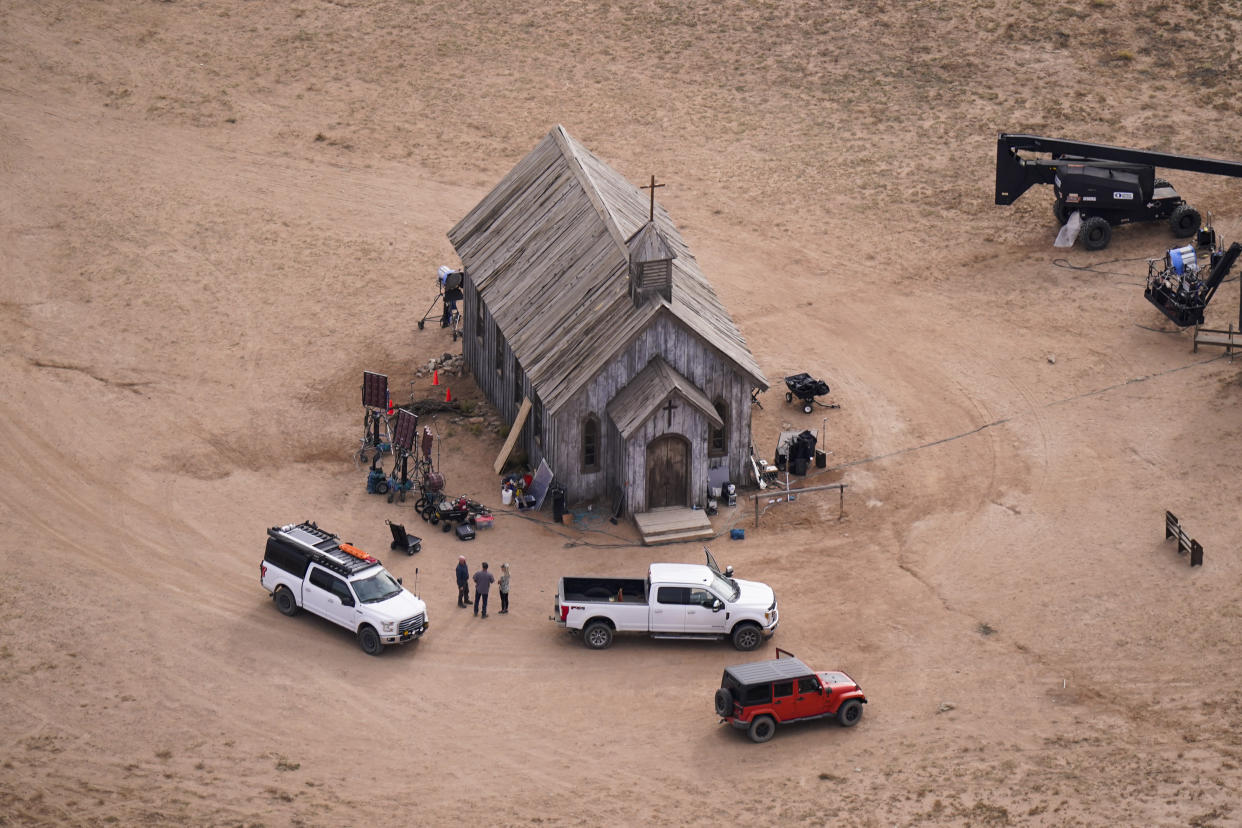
x: 463, y: 582
x: 482, y: 583
x: 504, y: 588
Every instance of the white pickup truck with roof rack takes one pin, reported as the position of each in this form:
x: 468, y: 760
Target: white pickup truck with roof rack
x: 674, y: 601
x: 305, y: 567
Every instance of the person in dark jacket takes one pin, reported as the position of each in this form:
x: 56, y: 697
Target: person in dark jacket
x: 482, y: 585
x: 463, y: 582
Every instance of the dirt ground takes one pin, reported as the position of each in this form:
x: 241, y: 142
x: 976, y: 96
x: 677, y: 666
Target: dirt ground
x: 215, y: 215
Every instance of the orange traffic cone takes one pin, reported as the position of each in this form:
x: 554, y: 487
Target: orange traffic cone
x: 448, y: 395
x: 435, y: 377
x: 390, y: 406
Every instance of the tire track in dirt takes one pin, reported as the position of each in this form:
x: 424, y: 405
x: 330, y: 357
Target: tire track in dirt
x: 1005, y: 420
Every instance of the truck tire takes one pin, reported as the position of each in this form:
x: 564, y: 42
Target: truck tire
x: 597, y: 635
x: 850, y: 713
x: 724, y: 702
x: 1096, y: 233
x: 747, y: 637
x: 285, y: 602
x: 1059, y: 212
x: 762, y: 728
x: 1185, y: 221
x: 369, y: 640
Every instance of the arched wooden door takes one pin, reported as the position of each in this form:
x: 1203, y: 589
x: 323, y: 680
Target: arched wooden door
x: 668, y: 472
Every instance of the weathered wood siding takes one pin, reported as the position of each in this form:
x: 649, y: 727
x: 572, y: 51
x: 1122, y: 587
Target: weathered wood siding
x: 498, y: 386
x: 687, y: 421
x: 700, y: 363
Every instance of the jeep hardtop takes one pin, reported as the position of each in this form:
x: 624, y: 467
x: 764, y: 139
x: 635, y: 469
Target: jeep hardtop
x: 755, y: 697
x: 305, y: 567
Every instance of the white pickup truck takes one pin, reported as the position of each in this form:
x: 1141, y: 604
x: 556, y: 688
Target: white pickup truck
x: 305, y: 567
x: 675, y: 601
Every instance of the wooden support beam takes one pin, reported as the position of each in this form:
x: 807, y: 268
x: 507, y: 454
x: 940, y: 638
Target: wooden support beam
x: 518, y: 422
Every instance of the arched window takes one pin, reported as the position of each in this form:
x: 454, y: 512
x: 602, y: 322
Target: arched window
x: 590, y: 444
x: 718, y: 438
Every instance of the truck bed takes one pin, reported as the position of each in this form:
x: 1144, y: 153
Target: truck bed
x: 622, y: 590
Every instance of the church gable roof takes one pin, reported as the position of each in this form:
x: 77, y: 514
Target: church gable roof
x: 546, y: 249
x: 651, y: 388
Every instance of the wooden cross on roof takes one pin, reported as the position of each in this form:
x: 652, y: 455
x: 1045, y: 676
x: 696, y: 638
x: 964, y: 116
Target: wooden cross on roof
x: 652, y: 186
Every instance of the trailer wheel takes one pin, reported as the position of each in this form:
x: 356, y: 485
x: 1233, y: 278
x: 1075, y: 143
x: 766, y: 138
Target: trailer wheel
x: 420, y: 324
x: 1059, y: 212
x: 806, y: 408
x: 1185, y: 221
x: 850, y: 713
x: 447, y: 526
x: 788, y: 396
x: 1096, y: 233
x: 285, y: 602
x: 724, y: 701
x: 762, y: 729
x: 597, y: 635
x: 369, y: 640
x: 747, y: 637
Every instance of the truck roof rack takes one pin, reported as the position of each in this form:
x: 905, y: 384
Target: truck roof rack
x: 324, y: 548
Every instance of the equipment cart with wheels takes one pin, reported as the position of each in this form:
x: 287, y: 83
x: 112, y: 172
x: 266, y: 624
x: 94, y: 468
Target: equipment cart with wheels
x: 806, y: 388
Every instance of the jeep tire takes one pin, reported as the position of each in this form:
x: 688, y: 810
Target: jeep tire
x: 762, y: 728
x: 849, y: 713
x: 369, y: 640
x: 285, y: 602
x: 724, y: 702
x: 597, y: 635
x: 747, y: 637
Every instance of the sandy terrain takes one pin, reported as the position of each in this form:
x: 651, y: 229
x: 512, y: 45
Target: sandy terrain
x: 215, y: 215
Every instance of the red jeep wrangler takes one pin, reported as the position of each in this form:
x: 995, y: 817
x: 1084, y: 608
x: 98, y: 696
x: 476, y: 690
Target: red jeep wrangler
x: 757, y: 696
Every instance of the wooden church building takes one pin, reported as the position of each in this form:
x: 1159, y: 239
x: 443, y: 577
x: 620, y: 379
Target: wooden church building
x: 581, y: 297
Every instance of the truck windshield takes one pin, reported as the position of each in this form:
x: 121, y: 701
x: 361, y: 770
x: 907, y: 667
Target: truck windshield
x: 726, y: 586
x: 379, y: 587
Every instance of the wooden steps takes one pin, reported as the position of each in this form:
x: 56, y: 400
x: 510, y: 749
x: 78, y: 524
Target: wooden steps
x: 673, y: 524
